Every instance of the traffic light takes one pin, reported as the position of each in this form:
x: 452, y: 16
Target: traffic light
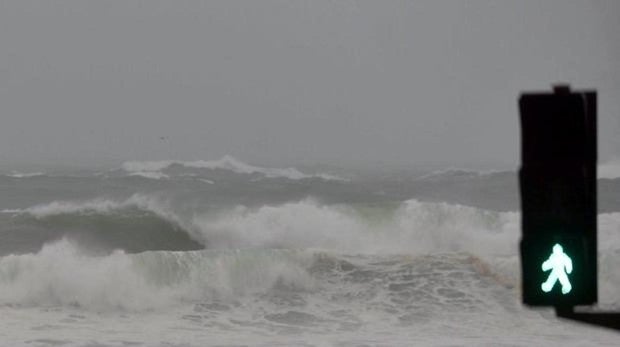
x: 558, y: 198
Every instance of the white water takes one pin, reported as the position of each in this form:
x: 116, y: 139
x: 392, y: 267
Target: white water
x: 267, y: 297
x: 342, y: 275
x: 412, y: 227
x: 151, y: 169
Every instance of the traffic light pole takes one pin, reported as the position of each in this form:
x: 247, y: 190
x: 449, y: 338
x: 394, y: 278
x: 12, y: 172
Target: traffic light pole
x: 558, y: 198
x: 558, y: 203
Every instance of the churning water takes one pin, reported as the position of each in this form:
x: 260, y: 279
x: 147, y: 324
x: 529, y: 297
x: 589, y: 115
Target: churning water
x: 229, y: 254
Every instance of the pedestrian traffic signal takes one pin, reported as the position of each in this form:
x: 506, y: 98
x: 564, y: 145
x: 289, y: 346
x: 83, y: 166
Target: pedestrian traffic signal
x: 561, y: 265
x: 558, y: 198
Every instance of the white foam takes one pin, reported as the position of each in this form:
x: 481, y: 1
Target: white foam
x: 16, y: 174
x: 12, y: 210
x: 102, y: 206
x: 68, y: 207
x: 225, y: 163
x: 244, y: 258
x: 60, y: 274
x: 149, y: 174
x: 293, y: 225
x: 413, y: 227
x: 456, y: 228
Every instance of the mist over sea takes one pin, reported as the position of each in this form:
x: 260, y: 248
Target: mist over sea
x: 224, y: 253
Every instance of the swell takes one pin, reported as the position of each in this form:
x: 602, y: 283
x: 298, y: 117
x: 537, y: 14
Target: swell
x: 156, y: 169
x: 133, y: 225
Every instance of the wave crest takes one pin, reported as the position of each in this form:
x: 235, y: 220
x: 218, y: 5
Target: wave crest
x: 61, y: 274
x: 101, y: 206
x: 290, y: 247
x: 412, y: 227
x: 139, y: 223
x: 152, y: 169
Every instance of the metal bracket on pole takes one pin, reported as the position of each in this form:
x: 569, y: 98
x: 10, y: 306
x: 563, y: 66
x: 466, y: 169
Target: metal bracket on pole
x: 589, y: 316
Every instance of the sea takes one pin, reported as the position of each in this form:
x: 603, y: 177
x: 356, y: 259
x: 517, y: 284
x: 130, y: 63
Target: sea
x: 226, y: 253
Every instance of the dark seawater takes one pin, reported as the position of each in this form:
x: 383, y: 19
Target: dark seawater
x: 225, y: 253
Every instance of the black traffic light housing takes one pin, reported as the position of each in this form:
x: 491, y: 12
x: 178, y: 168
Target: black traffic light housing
x: 558, y: 193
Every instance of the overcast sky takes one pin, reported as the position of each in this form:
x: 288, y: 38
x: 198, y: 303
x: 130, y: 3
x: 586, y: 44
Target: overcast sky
x: 362, y: 83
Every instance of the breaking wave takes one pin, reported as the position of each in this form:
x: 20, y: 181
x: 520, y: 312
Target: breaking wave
x: 153, y: 169
x: 16, y: 174
x: 100, y: 206
x: 287, y: 252
x: 412, y: 226
x: 61, y: 274
x: 139, y: 223
x: 149, y: 174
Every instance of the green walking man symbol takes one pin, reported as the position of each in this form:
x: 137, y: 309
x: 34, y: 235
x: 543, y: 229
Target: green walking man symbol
x: 560, y: 265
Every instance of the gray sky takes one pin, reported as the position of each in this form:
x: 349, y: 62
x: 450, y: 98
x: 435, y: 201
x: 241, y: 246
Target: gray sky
x: 397, y: 83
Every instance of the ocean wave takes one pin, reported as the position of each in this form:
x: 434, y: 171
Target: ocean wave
x: 411, y: 226
x: 149, y: 174
x: 16, y: 174
x: 136, y: 224
x: 607, y: 170
x: 225, y: 163
x: 456, y: 174
x: 102, y: 206
x: 374, y: 252
x: 62, y: 274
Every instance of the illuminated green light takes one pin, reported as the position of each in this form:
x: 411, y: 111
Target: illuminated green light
x: 561, y: 266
